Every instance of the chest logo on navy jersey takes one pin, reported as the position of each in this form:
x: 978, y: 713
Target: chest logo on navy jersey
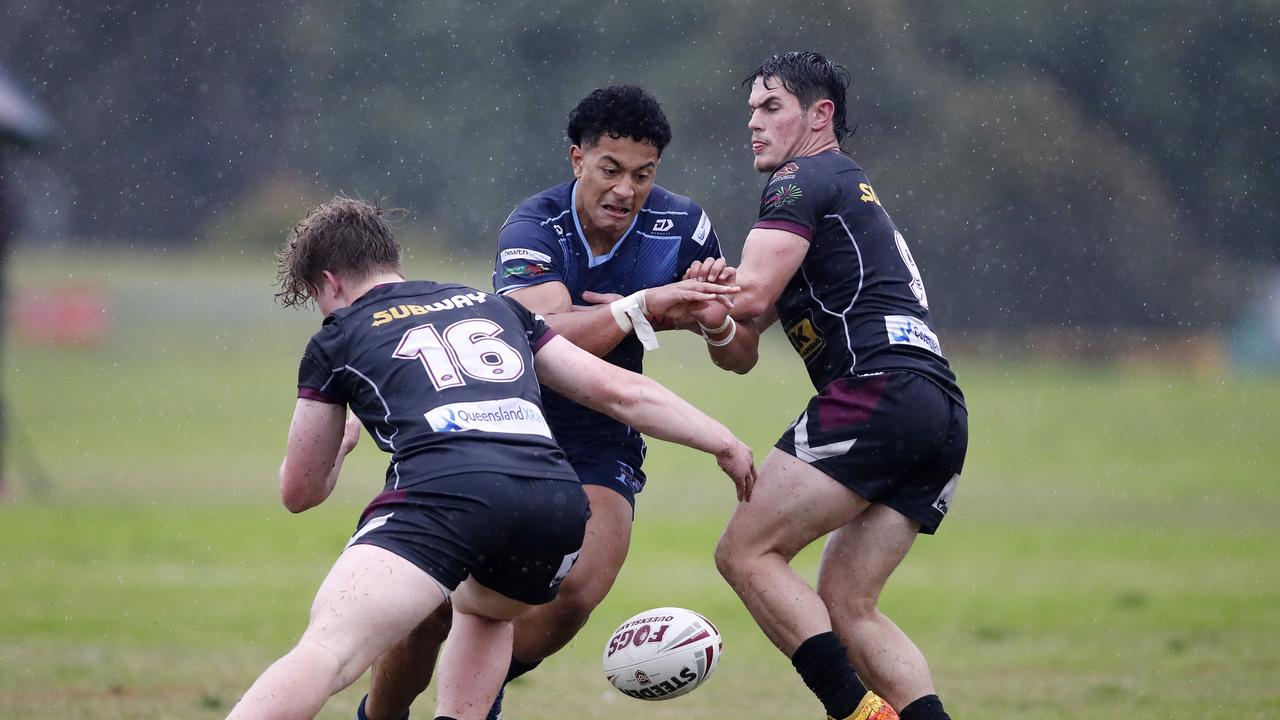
x: 784, y: 195
x: 805, y: 338
x: 664, y: 225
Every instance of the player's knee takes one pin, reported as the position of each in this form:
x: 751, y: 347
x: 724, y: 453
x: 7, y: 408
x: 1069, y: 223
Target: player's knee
x: 576, y: 602
x: 728, y: 560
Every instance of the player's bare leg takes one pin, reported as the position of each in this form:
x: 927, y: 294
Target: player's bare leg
x: 403, y: 673
x: 791, y: 506
x: 546, y: 628
x: 856, y: 562
x: 475, y: 658
x: 370, y: 599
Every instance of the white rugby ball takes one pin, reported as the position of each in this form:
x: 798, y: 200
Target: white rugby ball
x: 662, y: 653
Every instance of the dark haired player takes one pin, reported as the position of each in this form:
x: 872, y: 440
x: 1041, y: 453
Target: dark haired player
x: 601, y: 258
x: 480, y: 509
x: 876, y: 456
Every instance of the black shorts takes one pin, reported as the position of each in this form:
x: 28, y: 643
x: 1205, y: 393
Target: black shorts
x: 894, y: 438
x: 615, y: 465
x: 518, y: 536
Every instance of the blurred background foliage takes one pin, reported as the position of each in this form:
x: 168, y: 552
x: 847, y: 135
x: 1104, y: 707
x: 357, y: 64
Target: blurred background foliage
x: 1089, y: 164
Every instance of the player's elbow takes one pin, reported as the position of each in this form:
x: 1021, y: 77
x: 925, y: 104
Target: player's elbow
x: 295, y: 493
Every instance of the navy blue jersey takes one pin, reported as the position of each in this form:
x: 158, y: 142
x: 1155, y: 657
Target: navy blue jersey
x: 442, y: 378
x: 542, y: 241
x: 857, y: 303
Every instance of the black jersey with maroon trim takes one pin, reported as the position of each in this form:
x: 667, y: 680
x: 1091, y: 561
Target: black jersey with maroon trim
x: 857, y: 303
x: 442, y: 378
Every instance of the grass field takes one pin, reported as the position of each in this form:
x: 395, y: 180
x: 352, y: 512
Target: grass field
x: 1112, y: 552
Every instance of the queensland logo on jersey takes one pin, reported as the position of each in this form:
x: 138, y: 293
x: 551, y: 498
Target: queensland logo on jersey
x: 399, y: 312
x: 805, y: 338
x: 523, y: 254
x: 509, y: 415
x: 785, y: 195
x: 786, y: 172
x: 906, y: 330
x: 526, y: 270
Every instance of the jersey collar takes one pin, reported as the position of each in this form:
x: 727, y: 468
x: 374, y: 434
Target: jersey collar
x: 594, y: 260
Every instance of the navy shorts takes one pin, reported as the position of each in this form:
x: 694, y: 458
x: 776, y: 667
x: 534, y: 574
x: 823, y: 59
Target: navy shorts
x: 894, y: 438
x: 611, y: 464
x: 518, y: 536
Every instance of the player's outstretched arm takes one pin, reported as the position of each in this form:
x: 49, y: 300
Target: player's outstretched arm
x: 320, y: 437
x: 593, y: 330
x: 769, y: 260
x: 645, y: 405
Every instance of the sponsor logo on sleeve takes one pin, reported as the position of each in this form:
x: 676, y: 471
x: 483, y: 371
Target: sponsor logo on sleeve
x: 703, y: 231
x: 785, y: 195
x: 509, y: 415
x: 906, y: 330
x: 523, y: 254
x: 526, y: 270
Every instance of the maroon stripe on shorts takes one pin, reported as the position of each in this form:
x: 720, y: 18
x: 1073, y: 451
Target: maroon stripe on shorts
x: 850, y: 401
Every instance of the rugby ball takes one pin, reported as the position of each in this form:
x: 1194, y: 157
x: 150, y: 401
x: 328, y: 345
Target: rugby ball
x: 662, y: 653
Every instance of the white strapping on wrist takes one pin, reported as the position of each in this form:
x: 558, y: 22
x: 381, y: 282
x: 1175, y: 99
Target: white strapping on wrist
x: 733, y: 330
x: 716, y: 331
x: 629, y: 313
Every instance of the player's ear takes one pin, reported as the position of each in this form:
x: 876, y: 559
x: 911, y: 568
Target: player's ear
x: 821, y: 114
x: 575, y: 160
x: 330, y: 284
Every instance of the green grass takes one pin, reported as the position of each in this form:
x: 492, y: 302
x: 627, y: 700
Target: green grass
x: 1111, y: 551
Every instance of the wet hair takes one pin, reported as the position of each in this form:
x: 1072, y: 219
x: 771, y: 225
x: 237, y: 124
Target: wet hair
x: 347, y: 237
x: 810, y: 77
x: 619, y: 111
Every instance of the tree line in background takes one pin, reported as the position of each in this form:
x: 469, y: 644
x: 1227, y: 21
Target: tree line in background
x: 1086, y: 163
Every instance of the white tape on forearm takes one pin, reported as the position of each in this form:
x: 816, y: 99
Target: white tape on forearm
x: 629, y: 313
x: 619, y: 310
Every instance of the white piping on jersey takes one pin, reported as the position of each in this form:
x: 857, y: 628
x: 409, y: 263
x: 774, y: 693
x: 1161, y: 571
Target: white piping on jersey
x: 844, y: 320
x: 814, y: 453
x: 390, y: 441
x: 664, y: 212
x: 592, y: 260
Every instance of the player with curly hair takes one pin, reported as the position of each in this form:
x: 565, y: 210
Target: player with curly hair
x: 601, y: 257
x: 481, y: 513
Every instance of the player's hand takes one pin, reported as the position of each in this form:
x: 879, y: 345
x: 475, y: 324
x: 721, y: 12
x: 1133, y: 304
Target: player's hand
x: 670, y: 303
x: 350, y: 435
x: 714, y: 270
x: 737, y: 462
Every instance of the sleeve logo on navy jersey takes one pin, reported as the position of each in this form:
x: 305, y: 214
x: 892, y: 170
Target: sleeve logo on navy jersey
x: 805, y: 338
x: 703, y: 230
x: 786, y: 172
x: 526, y: 270
x: 785, y: 195
x: 523, y: 254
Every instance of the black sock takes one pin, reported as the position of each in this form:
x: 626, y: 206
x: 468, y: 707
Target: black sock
x: 517, y: 668
x: 824, y: 667
x: 928, y: 707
